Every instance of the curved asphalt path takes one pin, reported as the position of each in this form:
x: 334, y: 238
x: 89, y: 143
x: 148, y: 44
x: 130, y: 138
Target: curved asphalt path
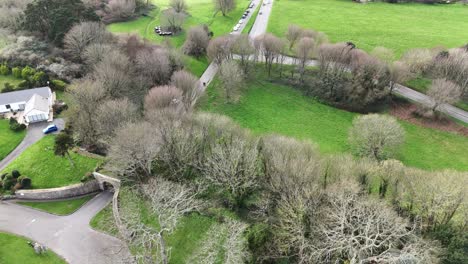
x: 69, y: 236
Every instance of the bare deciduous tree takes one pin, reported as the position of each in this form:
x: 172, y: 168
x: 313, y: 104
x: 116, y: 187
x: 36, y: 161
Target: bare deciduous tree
x: 225, y: 6
x: 87, y: 94
x: 173, y: 20
x: 84, y: 34
x: 383, y: 54
x: 443, y: 92
x: 94, y: 53
x: 133, y: 150
x: 120, y: 9
x: 219, y: 49
x: 242, y: 47
x: 232, y: 79
x: 376, y: 136
x: 113, y: 113
x: 304, y: 52
x: 418, y: 60
x: 196, y: 42
x: 161, y: 97
x: 180, y: 6
x: 399, y: 73
x: 269, y: 46
x: 189, y: 85
x: 154, y: 64
x: 169, y: 202
x: 293, y: 34
x: 453, y: 66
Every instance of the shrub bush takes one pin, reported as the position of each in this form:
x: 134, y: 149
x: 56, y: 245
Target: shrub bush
x: 25, y: 182
x: 7, y: 87
x: 58, y: 85
x: 15, y: 173
x: 16, y: 71
x: 40, y: 78
x: 24, y: 84
x: 15, y: 126
x: 27, y: 72
x: 4, y: 70
x: 8, y: 182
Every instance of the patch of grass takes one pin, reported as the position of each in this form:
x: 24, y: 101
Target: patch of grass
x: 462, y: 105
x: 272, y: 108
x: 420, y: 84
x: 8, y: 138
x: 15, y: 249
x: 395, y: 26
x: 47, y: 170
x: 8, y: 79
x: 183, y: 241
x: 65, y: 207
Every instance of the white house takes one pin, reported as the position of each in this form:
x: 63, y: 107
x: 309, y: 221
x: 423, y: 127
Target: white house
x: 28, y: 106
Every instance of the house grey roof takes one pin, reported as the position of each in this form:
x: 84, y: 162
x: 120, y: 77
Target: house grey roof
x: 37, y: 102
x: 23, y: 95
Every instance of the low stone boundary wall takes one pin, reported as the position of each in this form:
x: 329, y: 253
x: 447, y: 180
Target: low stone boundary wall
x: 59, y: 193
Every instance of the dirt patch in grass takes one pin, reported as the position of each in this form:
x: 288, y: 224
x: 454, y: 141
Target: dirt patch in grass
x: 406, y: 111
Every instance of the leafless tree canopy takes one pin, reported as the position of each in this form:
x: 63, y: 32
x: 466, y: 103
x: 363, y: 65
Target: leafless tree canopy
x: 418, y: 60
x: 219, y: 49
x: 173, y: 20
x: 225, y: 6
x: 189, y: 85
x: 270, y: 47
x: 154, y: 64
x: 161, y: 97
x: 243, y: 48
x: 119, y: 10
x: 197, y: 41
x: 84, y: 34
x: 376, y: 136
x: 94, y: 53
x: 180, y: 6
x: 293, y: 34
x: 453, y: 66
x: 444, y: 92
x: 305, y: 49
x: 232, y: 79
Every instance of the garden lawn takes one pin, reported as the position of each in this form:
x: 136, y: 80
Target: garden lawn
x: 8, y: 138
x: 47, y: 170
x: 8, y: 79
x: 270, y: 108
x: 396, y: 26
x: 15, y: 250
x: 65, y: 207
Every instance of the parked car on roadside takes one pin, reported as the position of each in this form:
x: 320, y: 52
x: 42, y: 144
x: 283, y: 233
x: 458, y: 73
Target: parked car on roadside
x: 50, y: 129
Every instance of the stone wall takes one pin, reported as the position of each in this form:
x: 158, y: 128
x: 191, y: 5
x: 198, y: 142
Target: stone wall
x: 59, y: 193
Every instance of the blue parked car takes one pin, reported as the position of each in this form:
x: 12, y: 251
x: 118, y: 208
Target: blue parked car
x: 50, y: 129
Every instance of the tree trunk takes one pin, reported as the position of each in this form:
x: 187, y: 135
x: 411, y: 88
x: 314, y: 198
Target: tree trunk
x: 70, y: 159
x: 162, y: 243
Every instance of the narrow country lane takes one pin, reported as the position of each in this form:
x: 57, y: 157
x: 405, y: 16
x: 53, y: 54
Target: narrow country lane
x: 69, y: 236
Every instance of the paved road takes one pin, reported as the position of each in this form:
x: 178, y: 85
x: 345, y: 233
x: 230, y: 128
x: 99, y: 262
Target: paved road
x: 261, y: 23
x: 68, y: 236
x: 212, y: 69
x: 33, y: 134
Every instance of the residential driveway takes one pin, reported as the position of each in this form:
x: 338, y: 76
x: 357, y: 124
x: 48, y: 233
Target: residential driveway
x: 69, y: 236
x: 33, y: 134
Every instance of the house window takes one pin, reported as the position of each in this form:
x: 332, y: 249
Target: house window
x: 22, y: 106
x: 8, y: 106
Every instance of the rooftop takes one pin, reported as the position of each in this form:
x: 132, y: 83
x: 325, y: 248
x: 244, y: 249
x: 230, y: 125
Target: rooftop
x: 23, y: 95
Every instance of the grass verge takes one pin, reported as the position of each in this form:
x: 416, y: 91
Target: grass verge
x: 65, y: 207
x: 9, y: 139
x: 14, y: 249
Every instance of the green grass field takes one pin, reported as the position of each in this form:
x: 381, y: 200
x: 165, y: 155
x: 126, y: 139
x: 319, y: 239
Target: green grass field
x: 15, y: 250
x: 47, y: 170
x: 271, y: 108
x: 8, y: 138
x: 8, y: 79
x: 65, y: 207
x: 396, y: 26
